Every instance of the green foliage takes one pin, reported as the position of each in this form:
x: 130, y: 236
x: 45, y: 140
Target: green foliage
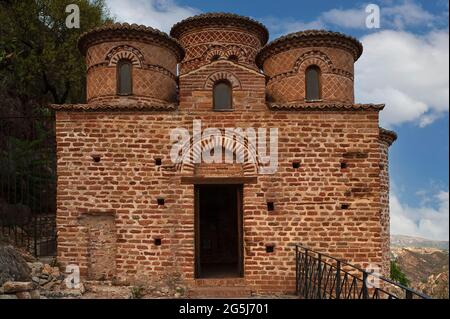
x: 397, y: 274
x: 28, y: 165
x: 39, y: 58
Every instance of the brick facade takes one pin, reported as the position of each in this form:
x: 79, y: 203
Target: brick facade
x: 110, y: 178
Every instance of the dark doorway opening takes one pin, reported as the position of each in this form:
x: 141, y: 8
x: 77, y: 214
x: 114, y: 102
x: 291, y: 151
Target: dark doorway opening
x: 218, y: 231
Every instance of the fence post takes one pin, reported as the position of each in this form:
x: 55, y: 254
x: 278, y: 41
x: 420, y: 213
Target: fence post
x: 365, y: 291
x: 35, y: 235
x: 305, y: 289
x: 338, y: 279
x: 319, y: 278
x: 296, y: 270
x: 409, y: 294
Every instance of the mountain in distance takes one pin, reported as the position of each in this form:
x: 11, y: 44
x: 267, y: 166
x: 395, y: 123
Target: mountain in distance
x: 417, y: 242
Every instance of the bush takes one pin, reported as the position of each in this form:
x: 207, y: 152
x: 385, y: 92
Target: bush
x: 397, y: 274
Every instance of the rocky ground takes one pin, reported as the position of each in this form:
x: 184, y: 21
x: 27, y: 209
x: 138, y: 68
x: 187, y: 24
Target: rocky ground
x: 426, y: 269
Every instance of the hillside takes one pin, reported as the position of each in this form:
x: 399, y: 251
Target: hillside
x: 425, y: 266
x: 417, y: 242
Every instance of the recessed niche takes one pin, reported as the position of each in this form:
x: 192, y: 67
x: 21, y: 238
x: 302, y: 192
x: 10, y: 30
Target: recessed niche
x: 270, y: 206
x: 270, y: 248
x: 96, y: 158
x: 158, y: 161
x: 345, y: 206
x: 344, y: 165
x: 161, y: 201
x: 296, y: 164
x: 157, y: 241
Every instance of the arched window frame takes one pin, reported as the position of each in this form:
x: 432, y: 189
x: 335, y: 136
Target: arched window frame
x: 230, y: 87
x: 319, y: 83
x: 119, y: 76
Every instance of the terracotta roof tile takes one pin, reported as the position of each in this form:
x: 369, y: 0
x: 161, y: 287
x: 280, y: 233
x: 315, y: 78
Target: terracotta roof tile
x: 220, y: 18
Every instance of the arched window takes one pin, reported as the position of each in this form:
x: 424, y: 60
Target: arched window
x: 313, y: 90
x: 222, y: 95
x: 124, y: 81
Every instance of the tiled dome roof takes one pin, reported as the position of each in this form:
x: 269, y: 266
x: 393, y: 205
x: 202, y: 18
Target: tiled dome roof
x: 220, y: 18
x: 129, y: 31
x: 311, y: 38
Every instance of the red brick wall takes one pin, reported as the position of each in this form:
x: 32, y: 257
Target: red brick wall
x: 154, y: 72
x: 202, y: 44
x: 384, y: 210
x: 307, y: 200
x: 286, y: 71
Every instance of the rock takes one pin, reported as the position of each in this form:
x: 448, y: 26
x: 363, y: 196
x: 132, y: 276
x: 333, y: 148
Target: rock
x: 35, y: 294
x: 13, y: 266
x: 49, y: 285
x: 164, y: 290
x: 35, y: 280
x: 177, y: 295
x: 55, y: 272
x: 36, y: 268
x: 47, y: 269
x: 23, y: 295
x: 17, y: 286
x: 8, y: 297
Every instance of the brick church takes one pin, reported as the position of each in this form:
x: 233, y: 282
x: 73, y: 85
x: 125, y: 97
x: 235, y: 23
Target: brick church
x: 128, y: 208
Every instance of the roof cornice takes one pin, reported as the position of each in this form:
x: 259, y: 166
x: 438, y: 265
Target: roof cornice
x: 125, y: 31
x: 310, y: 38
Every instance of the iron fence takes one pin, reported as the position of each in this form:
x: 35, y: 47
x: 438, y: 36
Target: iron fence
x: 28, y: 183
x: 320, y: 276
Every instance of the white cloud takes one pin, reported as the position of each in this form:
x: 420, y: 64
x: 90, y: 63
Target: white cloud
x: 408, y: 72
x: 159, y: 14
x: 423, y: 221
x: 393, y: 15
x: 351, y: 18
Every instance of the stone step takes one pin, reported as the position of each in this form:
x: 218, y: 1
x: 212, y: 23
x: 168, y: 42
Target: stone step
x: 219, y: 292
x: 222, y: 282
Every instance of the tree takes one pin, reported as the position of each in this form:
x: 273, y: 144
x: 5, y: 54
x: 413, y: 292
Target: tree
x: 39, y: 59
x: 397, y: 274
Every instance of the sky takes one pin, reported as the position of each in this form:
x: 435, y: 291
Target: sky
x: 405, y: 65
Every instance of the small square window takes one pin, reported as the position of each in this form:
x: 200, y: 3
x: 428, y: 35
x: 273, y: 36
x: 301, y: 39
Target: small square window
x: 270, y: 206
x: 96, y: 158
x: 296, y: 164
x: 270, y: 248
x: 345, y: 206
x: 161, y: 201
x: 344, y: 165
x: 158, y: 161
x: 157, y: 241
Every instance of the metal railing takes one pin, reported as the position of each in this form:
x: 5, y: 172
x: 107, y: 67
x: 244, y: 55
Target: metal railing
x: 320, y: 276
x: 28, y: 183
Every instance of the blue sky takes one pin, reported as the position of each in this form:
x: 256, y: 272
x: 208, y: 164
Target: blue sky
x: 405, y: 65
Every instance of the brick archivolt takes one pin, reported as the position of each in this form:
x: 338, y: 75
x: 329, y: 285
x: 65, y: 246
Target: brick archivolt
x: 225, y: 52
x: 125, y: 52
x: 237, y: 144
x: 220, y: 76
x: 313, y: 57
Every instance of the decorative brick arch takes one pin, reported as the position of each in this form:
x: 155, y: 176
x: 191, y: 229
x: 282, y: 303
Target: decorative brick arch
x: 222, y: 75
x: 125, y: 52
x: 185, y: 163
x: 313, y: 58
x: 216, y: 50
x: 234, y: 50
